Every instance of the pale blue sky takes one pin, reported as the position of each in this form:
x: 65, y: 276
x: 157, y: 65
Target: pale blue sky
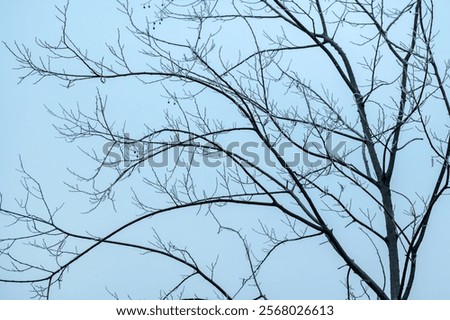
x: 27, y: 131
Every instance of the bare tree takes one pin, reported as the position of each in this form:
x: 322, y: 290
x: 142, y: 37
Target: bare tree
x: 311, y: 117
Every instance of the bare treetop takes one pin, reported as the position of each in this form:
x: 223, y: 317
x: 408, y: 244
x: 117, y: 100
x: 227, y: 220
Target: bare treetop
x: 309, y: 113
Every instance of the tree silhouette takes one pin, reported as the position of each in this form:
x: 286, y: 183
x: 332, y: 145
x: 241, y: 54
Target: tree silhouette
x: 305, y: 114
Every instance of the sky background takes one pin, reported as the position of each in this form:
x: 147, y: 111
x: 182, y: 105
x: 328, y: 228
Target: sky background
x: 27, y: 130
